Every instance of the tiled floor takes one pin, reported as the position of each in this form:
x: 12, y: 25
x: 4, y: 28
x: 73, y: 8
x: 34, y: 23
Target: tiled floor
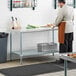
x: 27, y: 61
x: 38, y: 60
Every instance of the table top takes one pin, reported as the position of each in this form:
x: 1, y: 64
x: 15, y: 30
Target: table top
x: 33, y: 30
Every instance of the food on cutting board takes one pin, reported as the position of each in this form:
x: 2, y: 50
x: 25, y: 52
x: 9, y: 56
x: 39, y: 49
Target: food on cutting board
x: 31, y: 26
x: 72, y: 55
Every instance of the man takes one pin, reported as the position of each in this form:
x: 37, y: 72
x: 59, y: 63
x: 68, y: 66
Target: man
x: 65, y: 13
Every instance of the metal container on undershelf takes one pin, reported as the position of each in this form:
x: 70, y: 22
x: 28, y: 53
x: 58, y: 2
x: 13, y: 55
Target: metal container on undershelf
x: 46, y: 46
x: 42, y: 47
x: 52, y: 46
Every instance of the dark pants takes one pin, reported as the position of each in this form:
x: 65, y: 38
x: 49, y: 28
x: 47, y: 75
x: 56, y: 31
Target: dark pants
x: 68, y: 42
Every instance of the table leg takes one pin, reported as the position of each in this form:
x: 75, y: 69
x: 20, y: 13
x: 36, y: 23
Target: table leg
x: 53, y: 38
x: 53, y: 53
x: 10, y: 46
x: 65, y: 67
x: 21, y: 60
x: 20, y: 48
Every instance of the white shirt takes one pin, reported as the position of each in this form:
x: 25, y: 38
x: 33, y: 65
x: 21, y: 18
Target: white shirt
x: 66, y: 13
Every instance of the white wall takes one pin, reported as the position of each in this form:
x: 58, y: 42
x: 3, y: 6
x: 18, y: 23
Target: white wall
x: 4, y: 13
x: 41, y: 16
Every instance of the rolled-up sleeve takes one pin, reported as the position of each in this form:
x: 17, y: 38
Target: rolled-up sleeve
x: 59, y: 17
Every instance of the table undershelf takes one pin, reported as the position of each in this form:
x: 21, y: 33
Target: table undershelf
x: 33, y: 52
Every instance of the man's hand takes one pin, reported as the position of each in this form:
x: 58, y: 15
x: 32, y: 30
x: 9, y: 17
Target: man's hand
x: 50, y: 25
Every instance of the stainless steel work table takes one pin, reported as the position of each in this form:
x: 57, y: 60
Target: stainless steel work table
x: 31, y: 52
x: 67, y: 58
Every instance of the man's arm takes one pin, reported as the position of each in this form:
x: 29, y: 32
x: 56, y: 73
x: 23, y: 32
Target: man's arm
x: 59, y: 17
x: 73, y: 16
